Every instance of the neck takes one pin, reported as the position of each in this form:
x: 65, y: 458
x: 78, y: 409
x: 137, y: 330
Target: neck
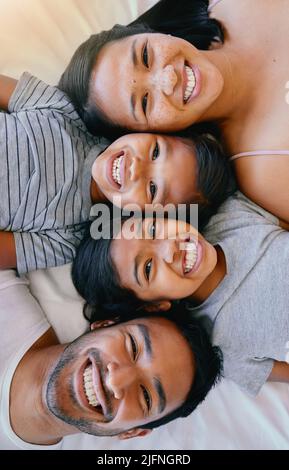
x: 95, y: 193
x: 30, y: 418
x: 213, y: 280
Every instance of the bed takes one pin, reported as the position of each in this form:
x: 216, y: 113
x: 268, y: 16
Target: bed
x: 40, y: 36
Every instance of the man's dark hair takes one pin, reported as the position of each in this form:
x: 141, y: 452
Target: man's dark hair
x: 208, y: 358
x: 186, y: 19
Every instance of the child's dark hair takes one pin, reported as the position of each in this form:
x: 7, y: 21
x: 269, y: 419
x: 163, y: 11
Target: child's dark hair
x: 187, y: 19
x: 207, y: 358
x: 215, y: 179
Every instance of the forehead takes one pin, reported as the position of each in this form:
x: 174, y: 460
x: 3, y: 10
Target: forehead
x: 112, y: 79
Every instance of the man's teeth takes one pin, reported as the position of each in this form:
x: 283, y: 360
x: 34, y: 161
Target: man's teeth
x: 88, y: 387
x: 116, y: 170
x: 190, y: 84
x: 190, y: 256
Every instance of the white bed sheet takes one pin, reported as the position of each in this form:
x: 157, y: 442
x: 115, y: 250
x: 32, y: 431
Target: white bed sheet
x: 40, y: 36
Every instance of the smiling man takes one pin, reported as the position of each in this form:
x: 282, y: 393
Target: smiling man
x: 118, y: 379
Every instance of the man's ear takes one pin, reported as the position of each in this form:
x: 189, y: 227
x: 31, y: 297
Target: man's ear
x: 102, y: 324
x: 137, y: 432
x: 161, y: 306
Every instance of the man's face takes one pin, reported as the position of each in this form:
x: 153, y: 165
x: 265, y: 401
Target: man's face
x: 119, y: 378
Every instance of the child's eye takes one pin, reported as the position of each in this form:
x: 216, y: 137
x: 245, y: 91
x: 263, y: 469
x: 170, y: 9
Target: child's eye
x: 145, y: 56
x: 144, y: 103
x: 156, y: 151
x: 152, y: 230
x: 148, y: 267
x: 153, y: 190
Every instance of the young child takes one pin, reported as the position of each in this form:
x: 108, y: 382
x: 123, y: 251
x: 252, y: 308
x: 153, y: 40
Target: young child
x: 236, y: 279
x: 51, y: 173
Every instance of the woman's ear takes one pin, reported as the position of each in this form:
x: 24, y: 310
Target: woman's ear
x: 137, y: 432
x: 102, y: 324
x: 161, y: 306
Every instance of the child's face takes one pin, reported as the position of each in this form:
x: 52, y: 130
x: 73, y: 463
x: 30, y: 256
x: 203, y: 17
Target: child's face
x: 171, y: 261
x: 147, y: 169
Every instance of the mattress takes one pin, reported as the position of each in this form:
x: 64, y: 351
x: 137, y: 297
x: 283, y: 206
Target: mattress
x: 40, y: 36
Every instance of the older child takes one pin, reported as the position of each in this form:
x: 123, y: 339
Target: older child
x: 236, y: 278
x: 51, y: 175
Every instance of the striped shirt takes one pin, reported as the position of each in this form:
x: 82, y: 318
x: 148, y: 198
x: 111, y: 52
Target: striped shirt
x: 45, y: 174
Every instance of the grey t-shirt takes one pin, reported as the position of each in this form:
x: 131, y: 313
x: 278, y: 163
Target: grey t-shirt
x: 45, y: 174
x: 249, y: 310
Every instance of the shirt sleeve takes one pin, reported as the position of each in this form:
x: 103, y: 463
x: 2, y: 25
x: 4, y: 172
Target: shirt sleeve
x: 236, y: 214
x: 32, y: 93
x: 247, y: 372
x: 38, y: 250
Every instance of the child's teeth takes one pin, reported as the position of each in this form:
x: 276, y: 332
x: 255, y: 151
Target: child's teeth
x: 116, y: 170
x: 190, y: 256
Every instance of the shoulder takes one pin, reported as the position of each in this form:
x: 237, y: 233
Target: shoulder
x: 264, y: 179
x: 237, y: 214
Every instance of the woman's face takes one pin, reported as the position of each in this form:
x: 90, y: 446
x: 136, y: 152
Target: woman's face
x: 170, y: 260
x: 154, y: 82
x: 147, y: 169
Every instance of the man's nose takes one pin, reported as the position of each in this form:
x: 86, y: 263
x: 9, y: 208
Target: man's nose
x: 118, y: 378
x: 166, y: 79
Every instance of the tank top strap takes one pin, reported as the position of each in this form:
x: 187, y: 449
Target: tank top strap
x: 213, y: 4
x: 260, y: 153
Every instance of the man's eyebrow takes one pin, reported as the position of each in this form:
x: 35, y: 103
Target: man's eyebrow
x: 161, y: 394
x: 135, y: 63
x: 144, y: 331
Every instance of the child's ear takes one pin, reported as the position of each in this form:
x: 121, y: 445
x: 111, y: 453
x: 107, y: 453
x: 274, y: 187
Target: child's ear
x: 138, y: 432
x: 161, y: 306
x: 102, y: 324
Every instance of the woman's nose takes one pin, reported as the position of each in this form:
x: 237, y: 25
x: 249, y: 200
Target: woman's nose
x: 167, y: 79
x: 119, y: 377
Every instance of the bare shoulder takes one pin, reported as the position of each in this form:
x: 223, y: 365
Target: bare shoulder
x: 265, y: 180
x: 240, y: 6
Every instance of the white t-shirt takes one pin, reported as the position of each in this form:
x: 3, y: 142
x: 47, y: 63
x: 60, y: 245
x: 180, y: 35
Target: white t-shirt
x: 22, y: 322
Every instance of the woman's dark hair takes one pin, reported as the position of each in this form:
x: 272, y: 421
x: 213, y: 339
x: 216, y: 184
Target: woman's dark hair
x: 186, y: 19
x: 75, y: 80
x: 208, y: 359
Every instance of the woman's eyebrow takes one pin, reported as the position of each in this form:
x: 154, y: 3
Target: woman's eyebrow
x: 132, y: 106
x: 134, y: 53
